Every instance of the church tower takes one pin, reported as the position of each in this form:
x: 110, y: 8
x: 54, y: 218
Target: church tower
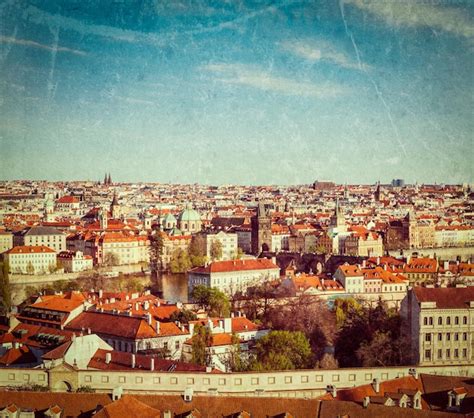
x: 337, y: 219
x: 378, y: 193
x: 115, y: 208
x: 103, y: 219
x: 261, y: 230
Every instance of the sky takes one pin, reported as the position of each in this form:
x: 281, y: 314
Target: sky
x: 237, y: 92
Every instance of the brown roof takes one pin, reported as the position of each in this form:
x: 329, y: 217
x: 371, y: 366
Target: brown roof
x: 446, y: 298
x: 128, y: 406
x: 236, y: 265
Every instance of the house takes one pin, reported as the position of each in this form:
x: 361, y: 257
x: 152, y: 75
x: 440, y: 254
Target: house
x: 439, y: 322
x: 41, y: 236
x: 27, y: 259
x: 233, y: 275
x: 73, y: 262
x: 351, y: 277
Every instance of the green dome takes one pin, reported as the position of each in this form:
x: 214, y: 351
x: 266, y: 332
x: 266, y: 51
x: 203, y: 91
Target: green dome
x: 189, y: 215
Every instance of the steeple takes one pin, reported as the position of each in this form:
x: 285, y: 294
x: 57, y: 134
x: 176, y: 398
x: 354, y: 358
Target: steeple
x: 105, y: 179
x: 109, y: 180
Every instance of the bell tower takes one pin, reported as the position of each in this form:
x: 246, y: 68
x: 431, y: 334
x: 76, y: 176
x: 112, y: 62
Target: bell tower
x: 261, y: 230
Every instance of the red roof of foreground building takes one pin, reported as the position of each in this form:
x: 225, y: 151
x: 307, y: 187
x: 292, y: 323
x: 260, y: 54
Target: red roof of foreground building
x: 447, y: 297
x: 29, y: 249
x: 236, y: 265
x: 130, y: 327
x: 68, y: 199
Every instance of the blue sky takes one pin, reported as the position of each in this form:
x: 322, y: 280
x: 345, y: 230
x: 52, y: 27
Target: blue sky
x: 262, y: 92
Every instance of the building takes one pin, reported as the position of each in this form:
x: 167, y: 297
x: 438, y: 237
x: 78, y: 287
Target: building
x: 351, y: 277
x: 261, y: 230
x: 189, y: 221
x: 421, y: 269
x: 73, y: 262
x: 234, y: 275
x: 229, y: 244
x: 27, y: 259
x: 364, y: 243
x: 41, y: 235
x: 6, y: 241
x: 172, y: 243
x: 118, y: 248
x: 128, y: 333
x: 439, y: 323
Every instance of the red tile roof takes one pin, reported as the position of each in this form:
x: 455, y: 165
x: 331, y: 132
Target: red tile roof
x: 29, y: 249
x: 446, y: 298
x: 236, y: 265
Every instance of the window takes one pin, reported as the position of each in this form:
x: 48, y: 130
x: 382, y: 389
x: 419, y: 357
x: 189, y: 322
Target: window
x: 456, y: 336
x: 440, y: 336
x: 448, y: 336
x: 428, y: 337
x: 448, y: 353
x: 440, y: 320
x: 464, y: 352
x: 440, y: 353
x: 431, y: 320
x: 464, y: 336
x: 428, y: 354
x: 176, y: 345
x: 456, y: 353
x: 464, y: 320
x: 456, y: 320
x: 271, y: 380
x: 425, y: 320
x: 448, y: 320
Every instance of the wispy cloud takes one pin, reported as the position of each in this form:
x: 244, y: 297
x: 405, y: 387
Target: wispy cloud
x: 34, y: 44
x: 250, y: 76
x: 419, y: 13
x: 320, y: 51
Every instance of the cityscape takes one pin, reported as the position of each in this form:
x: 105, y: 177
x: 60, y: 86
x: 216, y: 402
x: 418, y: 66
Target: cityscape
x: 236, y: 209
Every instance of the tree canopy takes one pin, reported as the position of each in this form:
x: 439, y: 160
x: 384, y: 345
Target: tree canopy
x: 212, y: 300
x: 282, y: 350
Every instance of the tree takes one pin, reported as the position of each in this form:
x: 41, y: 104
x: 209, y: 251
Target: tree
x: 216, y: 250
x: 233, y: 360
x: 212, y: 300
x: 282, y: 350
x: 30, y: 269
x: 345, y: 307
x: 156, y: 252
x: 197, y: 251
x: 5, y: 287
x: 183, y: 316
x: 239, y: 254
x: 371, y: 336
x: 328, y: 362
x: 111, y: 259
x: 308, y: 315
x: 201, y: 340
x: 180, y: 262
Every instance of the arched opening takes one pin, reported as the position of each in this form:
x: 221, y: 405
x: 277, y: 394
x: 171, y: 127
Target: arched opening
x: 265, y: 247
x: 62, y: 386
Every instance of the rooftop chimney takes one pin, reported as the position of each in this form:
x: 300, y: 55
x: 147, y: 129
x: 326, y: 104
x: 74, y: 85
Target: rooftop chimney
x: 376, y: 385
x: 332, y: 390
x: 133, y: 361
x: 413, y: 372
x: 152, y: 364
x: 108, y: 358
x: 366, y: 402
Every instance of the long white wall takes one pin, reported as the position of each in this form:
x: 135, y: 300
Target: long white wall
x: 296, y: 383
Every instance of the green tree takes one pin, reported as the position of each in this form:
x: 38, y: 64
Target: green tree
x: 345, y: 307
x: 180, y: 262
x: 111, y: 259
x: 239, y: 254
x: 5, y: 287
x: 233, y: 360
x: 201, y: 340
x: 216, y: 250
x: 30, y: 269
x: 197, y: 251
x: 156, y: 252
x: 282, y: 350
x: 183, y: 316
x: 212, y: 300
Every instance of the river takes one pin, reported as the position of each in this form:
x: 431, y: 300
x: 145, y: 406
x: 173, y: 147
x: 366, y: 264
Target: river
x: 171, y: 287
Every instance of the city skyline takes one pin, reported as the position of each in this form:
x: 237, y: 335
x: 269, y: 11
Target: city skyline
x: 276, y: 93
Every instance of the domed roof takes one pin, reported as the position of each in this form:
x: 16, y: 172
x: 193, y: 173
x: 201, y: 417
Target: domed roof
x: 189, y: 215
x: 169, y: 217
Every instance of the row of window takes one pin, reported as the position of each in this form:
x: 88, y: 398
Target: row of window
x: 428, y: 320
x: 448, y: 336
x: 447, y: 354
